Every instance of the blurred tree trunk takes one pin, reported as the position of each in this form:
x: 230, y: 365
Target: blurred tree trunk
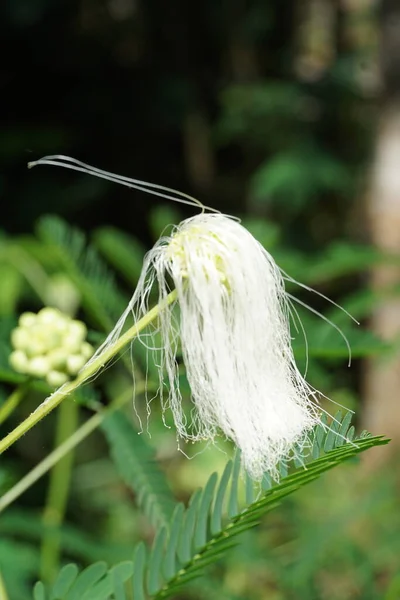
x: 382, y: 378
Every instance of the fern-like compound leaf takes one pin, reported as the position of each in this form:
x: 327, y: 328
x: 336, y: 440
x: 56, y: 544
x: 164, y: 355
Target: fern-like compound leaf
x: 201, y: 535
x: 64, y: 581
x: 170, y: 560
x: 187, y: 534
x: 83, y: 265
x: 233, y: 506
x: 216, y: 516
x: 154, y: 576
x: 86, y: 579
x: 139, y: 561
x: 39, y: 592
x: 137, y: 465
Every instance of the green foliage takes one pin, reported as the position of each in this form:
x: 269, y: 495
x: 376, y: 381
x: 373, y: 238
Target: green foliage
x: 123, y: 252
x: 162, y: 220
x: 297, y: 178
x: 265, y: 114
x: 11, y: 289
x: 200, y: 535
x: 137, y: 465
x: 324, y: 341
x: 188, y: 539
x: 19, y: 564
x: 206, y: 532
x: 82, y: 264
x: 76, y: 543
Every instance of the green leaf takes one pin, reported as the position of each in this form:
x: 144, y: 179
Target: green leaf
x: 19, y: 564
x: 39, y: 592
x: 122, y: 251
x: 170, y: 560
x: 218, y: 543
x: 344, y: 428
x: 10, y: 289
x: 268, y: 234
x: 295, y: 177
x: 216, y: 517
x: 185, y: 548
x: 136, y: 463
x: 104, y: 588
x: 82, y: 264
x: 139, y: 561
x: 351, y: 433
x: 266, y: 482
x: 187, y: 533
x: 200, y: 533
x: 64, y: 581
x: 154, y: 576
x: 162, y: 220
x: 249, y: 485
x: 325, y: 341
x: 233, y: 496
x: 343, y: 258
x: 283, y: 469
x: 118, y: 587
x: 86, y: 579
x: 269, y: 110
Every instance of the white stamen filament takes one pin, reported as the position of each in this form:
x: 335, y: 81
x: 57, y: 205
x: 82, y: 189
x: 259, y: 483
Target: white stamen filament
x: 235, y: 340
x: 233, y: 329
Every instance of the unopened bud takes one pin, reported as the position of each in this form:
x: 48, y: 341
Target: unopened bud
x: 20, y: 338
x: 39, y: 366
x: 19, y: 361
x: 56, y: 378
x: 75, y: 363
x: 27, y: 319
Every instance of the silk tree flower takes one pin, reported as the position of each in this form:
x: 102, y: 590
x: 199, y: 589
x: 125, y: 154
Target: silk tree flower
x: 233, y: 328
x: 234, y: 334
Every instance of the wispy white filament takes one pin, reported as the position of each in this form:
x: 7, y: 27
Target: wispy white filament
x: 233, y: 329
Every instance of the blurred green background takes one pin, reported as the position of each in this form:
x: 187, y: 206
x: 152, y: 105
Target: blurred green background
x: 283, y: 112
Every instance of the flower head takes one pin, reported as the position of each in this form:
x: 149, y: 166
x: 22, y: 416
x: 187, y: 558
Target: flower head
x: 233, y: 329
x: 49, y: 345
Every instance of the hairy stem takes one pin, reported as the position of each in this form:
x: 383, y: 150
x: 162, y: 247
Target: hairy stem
x: 89, y: 370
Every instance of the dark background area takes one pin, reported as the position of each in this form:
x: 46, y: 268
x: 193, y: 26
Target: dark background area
x: 196, y: 97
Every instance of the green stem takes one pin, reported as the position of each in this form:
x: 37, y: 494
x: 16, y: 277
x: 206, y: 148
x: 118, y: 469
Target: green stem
x: 58, y: 491
x: 89, y: 370
x: 51, y: 459
x: 12, y: 402
x: 3, y: 591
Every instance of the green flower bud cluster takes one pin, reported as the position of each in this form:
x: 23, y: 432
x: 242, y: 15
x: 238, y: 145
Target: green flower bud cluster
x: 49, y: 345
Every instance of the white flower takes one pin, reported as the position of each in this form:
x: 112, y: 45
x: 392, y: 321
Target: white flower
x: 233, y: 329
x: 235, y: 339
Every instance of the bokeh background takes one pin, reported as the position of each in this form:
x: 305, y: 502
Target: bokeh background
x: 283, y: 112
